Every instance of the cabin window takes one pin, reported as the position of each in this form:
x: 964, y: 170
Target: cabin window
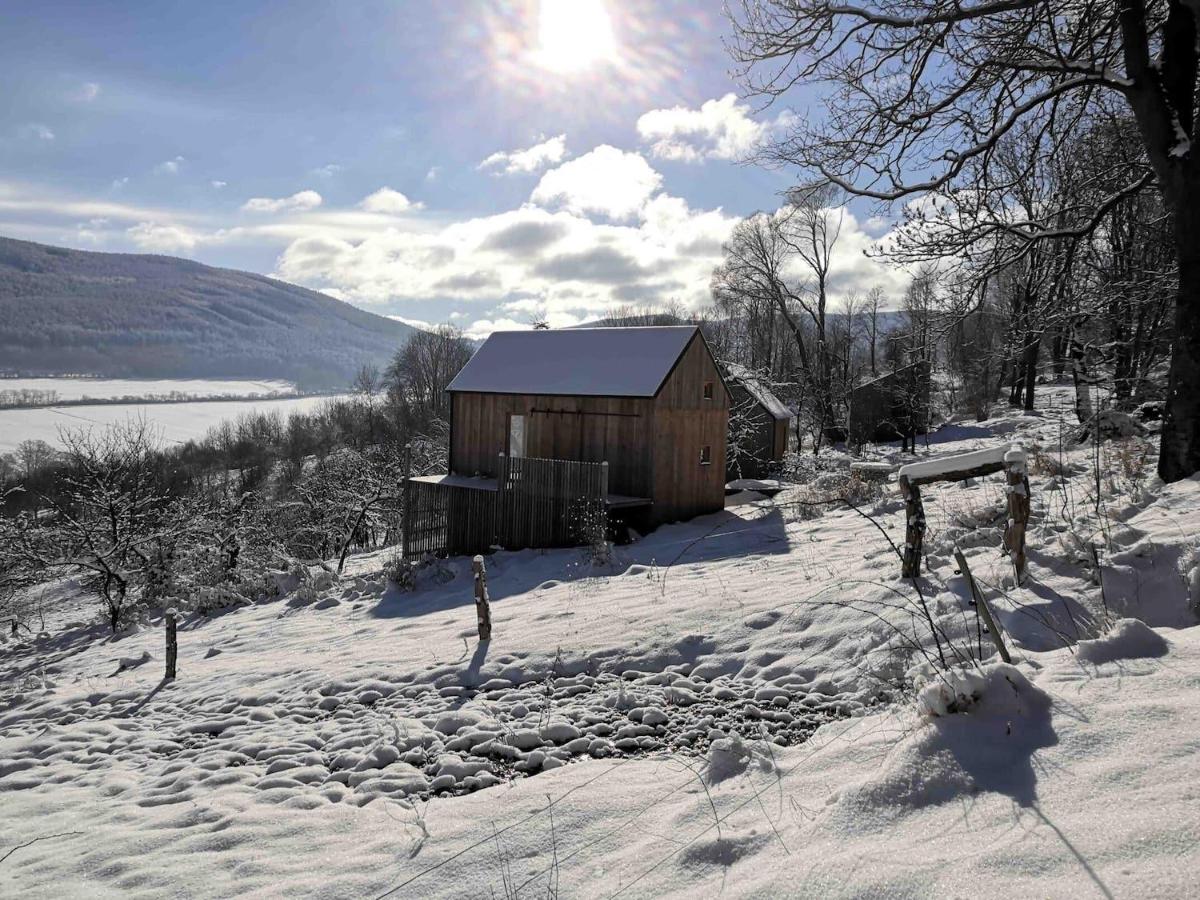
x: 706, y: 455
x: 516, y: 436
x: 708, y: 390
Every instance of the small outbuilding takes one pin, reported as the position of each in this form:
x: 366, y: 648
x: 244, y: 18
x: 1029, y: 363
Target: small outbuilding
x: 890, y: 407
x: 638, y: 414
x: 758, y: 426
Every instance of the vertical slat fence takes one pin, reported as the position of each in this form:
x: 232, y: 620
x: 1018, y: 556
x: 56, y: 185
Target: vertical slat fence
x: 537, y: 503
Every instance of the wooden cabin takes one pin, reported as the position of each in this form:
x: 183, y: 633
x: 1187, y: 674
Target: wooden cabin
x: 890, y: 407
x: 650, y: 402
x: 758, y: 426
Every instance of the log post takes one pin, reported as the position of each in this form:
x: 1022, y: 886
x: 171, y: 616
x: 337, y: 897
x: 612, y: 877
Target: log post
x: 172, y: 643
x: 981, y: 607
x: 1018, y: 508
x: 483, y: 610
x: 914, y: 533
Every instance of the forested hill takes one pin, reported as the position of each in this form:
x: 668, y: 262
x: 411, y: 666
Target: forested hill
x: 119, y: 314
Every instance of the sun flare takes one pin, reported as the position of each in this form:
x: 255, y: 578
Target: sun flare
x: 574, y: 34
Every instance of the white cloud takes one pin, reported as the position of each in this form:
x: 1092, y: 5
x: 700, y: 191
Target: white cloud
x: 531, y: 159
x: 170, y: 166
x: 86, y: 92
x: 387, y: 202
x: 326, y: 171
x: 35, y: 131
x: 119, y: 183
x: 481, y: 328
x: 719, y: 129
x: 415, y: 323
x: 433, y: 173
x: 163, y: 238
x: 218, y: 184
x: 606, y: 180
x: 301, y: 200
x: 562, y: 263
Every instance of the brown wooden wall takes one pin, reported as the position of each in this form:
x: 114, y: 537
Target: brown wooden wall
x: 781, y: 439
x: 764, y: 445
x: 652, y: 445
x: 586, y: 429
x: 683, y: 423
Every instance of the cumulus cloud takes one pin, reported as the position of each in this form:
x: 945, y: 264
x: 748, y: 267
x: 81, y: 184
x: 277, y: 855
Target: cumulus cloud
x: 719, y: 129
x: 602, y: 264
x: 35, y: 131
x: 301, y: 200
x: 163, y: 237
x: 527, y: 234
x: 611, y: 182
x: 170, y: 166
x: 415, y: 323
x: 531, y: 159
x: 387, y: 202
x: 568, y: 265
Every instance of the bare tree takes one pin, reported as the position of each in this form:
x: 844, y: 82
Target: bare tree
x: 111, y: 520
x: 420, y: 371
x: 922, y: 92
x: 872, y: 306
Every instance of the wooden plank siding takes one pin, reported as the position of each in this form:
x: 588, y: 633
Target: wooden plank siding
x: 684, y: 422
x: 652, y: 444
x: 616, y: 430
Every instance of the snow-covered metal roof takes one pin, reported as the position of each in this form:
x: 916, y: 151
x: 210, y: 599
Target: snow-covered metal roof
x: 590, y: 362
x: 760, y: 392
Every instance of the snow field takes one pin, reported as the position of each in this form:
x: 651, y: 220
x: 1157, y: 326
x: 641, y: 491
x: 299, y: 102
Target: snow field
x: 174, y: 422
x: 347, y: 739
x: 105, y: 388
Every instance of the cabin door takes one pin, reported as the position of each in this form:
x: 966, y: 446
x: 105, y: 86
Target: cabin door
x: 516, y: 436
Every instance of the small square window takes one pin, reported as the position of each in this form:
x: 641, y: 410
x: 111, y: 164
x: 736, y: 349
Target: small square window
x: 706, y: 455
x: 708, y: 390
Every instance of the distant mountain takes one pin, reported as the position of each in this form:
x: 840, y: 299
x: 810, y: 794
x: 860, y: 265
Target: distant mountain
x: 129, y: 315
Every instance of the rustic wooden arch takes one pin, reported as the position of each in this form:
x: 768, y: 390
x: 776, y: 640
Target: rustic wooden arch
x: 1009, y: 459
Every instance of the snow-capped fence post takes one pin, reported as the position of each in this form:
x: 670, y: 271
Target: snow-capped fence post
x: 981, y: 608
x: 483, y: 609
x: 1008, y: 459
x: 1018, y: 508
x: 172, y: 643
x: 914, y: 534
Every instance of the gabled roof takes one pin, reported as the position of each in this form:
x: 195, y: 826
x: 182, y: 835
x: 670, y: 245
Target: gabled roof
x: 588, y: 362
x: 761, y: 394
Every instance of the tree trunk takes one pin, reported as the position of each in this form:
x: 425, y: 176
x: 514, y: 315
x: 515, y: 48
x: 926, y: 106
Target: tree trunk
x: 1031, y: 360
x: 1083, y: 388
x: 1179, y: 454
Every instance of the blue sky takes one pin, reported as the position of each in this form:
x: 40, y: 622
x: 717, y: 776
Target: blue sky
x: 475, y: 162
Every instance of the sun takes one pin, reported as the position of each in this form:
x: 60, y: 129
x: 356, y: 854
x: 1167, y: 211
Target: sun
x: 574, y: 35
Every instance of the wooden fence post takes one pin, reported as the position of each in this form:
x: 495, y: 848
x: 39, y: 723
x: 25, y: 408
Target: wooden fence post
x: 1018, y: 508
x: 483, y: 610
x: 172, y: 643
x: 981, y: 607
x: 914, y: 533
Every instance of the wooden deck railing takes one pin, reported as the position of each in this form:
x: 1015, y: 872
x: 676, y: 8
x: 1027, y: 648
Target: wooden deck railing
x: 533, y: 503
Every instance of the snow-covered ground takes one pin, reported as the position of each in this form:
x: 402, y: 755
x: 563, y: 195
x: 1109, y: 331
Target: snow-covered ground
x: 79, y: 388
x: 645, y: 727
x: 175, y: 422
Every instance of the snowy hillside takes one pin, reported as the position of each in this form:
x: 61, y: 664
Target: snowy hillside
x: 735, y: 706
